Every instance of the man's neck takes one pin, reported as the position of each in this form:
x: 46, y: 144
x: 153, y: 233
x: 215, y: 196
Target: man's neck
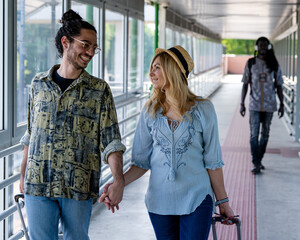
x: 261, y: 57
x: 68, y: 71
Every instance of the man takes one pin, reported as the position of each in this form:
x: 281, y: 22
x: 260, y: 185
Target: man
x: 71, y: 118
x: 263, y: 74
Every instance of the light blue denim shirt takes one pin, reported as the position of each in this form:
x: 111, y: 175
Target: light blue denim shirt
x: 178, y: 160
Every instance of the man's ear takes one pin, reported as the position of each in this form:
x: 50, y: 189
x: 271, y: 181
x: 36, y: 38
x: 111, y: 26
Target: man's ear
x: 65, y: 42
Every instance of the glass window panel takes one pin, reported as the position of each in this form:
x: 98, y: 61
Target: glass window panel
x: 114, y: 46
x: 134, y: 53
x: 183, y: 40
x: 177, y: 38
x: 148, y: 43
x: 37, y: 24
x: 169, y: 38
x: 197, y: 55
x: 295, y: 57
x: 90, y: 14
x: 1, y: 70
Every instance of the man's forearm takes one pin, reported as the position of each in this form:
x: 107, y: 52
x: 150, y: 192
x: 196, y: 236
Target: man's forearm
x: 24, y: 162
x: 280, y: 94
x: 244, y: 92
x: 115, y: 161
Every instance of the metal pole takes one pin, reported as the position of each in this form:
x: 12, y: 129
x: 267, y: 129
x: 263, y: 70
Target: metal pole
x: 21, y: 83
x: 89, y: 19
x: 297, y: 111
x: 156, y: 26
x: 53, y: 32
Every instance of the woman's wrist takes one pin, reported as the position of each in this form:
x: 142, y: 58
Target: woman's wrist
x: 221, y: 201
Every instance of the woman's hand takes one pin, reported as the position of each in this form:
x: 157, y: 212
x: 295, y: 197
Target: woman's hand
x: 227, y: 212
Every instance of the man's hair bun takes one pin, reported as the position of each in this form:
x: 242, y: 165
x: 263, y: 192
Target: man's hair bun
x: 70, y: 15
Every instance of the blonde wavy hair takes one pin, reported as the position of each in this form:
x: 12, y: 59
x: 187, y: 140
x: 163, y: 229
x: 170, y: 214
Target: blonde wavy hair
x: 179, y: 95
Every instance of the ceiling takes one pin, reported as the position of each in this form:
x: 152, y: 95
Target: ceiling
x: 236, y: 19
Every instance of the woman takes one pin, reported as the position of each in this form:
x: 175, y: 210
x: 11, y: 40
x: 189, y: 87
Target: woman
x: 177, y: 138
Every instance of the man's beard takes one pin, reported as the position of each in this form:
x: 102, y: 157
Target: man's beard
x: 71, y: 60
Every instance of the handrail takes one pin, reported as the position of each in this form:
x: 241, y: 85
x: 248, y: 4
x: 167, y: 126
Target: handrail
x: 10, y: 150
x: 6, y: 213
x: 288, y: 97
x: 9, y: 181
x: 17, y: 235
x: 288, y: 87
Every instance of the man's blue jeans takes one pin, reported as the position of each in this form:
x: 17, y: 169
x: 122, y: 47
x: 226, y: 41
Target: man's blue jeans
x: 259, y: 145
x: 43, y: 214
x: 195, y: 225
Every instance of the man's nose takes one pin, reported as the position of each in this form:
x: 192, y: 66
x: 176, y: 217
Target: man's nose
x: 90, y: 51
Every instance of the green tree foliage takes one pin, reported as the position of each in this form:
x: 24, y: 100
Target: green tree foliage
x: 238, y: 46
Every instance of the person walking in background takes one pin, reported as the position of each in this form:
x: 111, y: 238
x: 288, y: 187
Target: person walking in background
x: 263, y: 74
x: 177, y: 139
x: 71, y: 118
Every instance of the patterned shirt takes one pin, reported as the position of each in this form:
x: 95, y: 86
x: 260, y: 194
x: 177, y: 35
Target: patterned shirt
x: 178, y: 159
x: 66, y: 132
x: 263, y: 94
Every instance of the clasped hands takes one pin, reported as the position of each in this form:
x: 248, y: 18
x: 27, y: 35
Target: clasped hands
x: 112, y: 195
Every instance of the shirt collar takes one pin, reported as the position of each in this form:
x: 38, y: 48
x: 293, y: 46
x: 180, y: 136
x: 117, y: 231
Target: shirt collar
x: 83, y: 77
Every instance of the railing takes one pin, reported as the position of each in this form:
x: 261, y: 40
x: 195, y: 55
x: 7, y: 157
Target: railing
x: 289, y: 106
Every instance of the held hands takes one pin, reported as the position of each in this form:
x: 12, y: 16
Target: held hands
x: 112, y: 195
x: 281, y: 111
x: 243, y: 109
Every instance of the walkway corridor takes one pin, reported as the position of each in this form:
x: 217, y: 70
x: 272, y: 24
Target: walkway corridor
x: 268, y: 204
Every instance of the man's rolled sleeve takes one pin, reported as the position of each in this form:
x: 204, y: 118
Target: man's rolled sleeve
x: 114, y: 146
x: 25, y: 139
x: 110, y: 137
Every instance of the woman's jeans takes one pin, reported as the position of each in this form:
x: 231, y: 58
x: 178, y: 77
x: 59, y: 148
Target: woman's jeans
x: 194, y: 226
x: 258, y: 146
x: 43, y: 214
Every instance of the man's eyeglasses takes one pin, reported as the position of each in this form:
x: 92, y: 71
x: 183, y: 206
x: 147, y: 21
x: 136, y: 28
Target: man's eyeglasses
x: 87, y: 46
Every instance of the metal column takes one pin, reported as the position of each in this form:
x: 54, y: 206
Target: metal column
x: 297, y: 112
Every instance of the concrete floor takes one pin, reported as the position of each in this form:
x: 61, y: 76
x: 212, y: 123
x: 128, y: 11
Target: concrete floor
x: 277, y: 193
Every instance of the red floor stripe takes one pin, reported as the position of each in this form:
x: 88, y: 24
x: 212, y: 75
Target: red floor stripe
x: 239, y: 181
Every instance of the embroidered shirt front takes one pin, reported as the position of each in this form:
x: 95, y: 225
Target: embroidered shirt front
x: 178, y: 159
x: 66, y: 132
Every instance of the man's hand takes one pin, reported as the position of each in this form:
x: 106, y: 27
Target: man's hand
x: 21, y: 185
x: 23, y: 169
x: 243, y: 109
x: 281, y: 111
x: 105, y: 199
x: 112, y: 195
